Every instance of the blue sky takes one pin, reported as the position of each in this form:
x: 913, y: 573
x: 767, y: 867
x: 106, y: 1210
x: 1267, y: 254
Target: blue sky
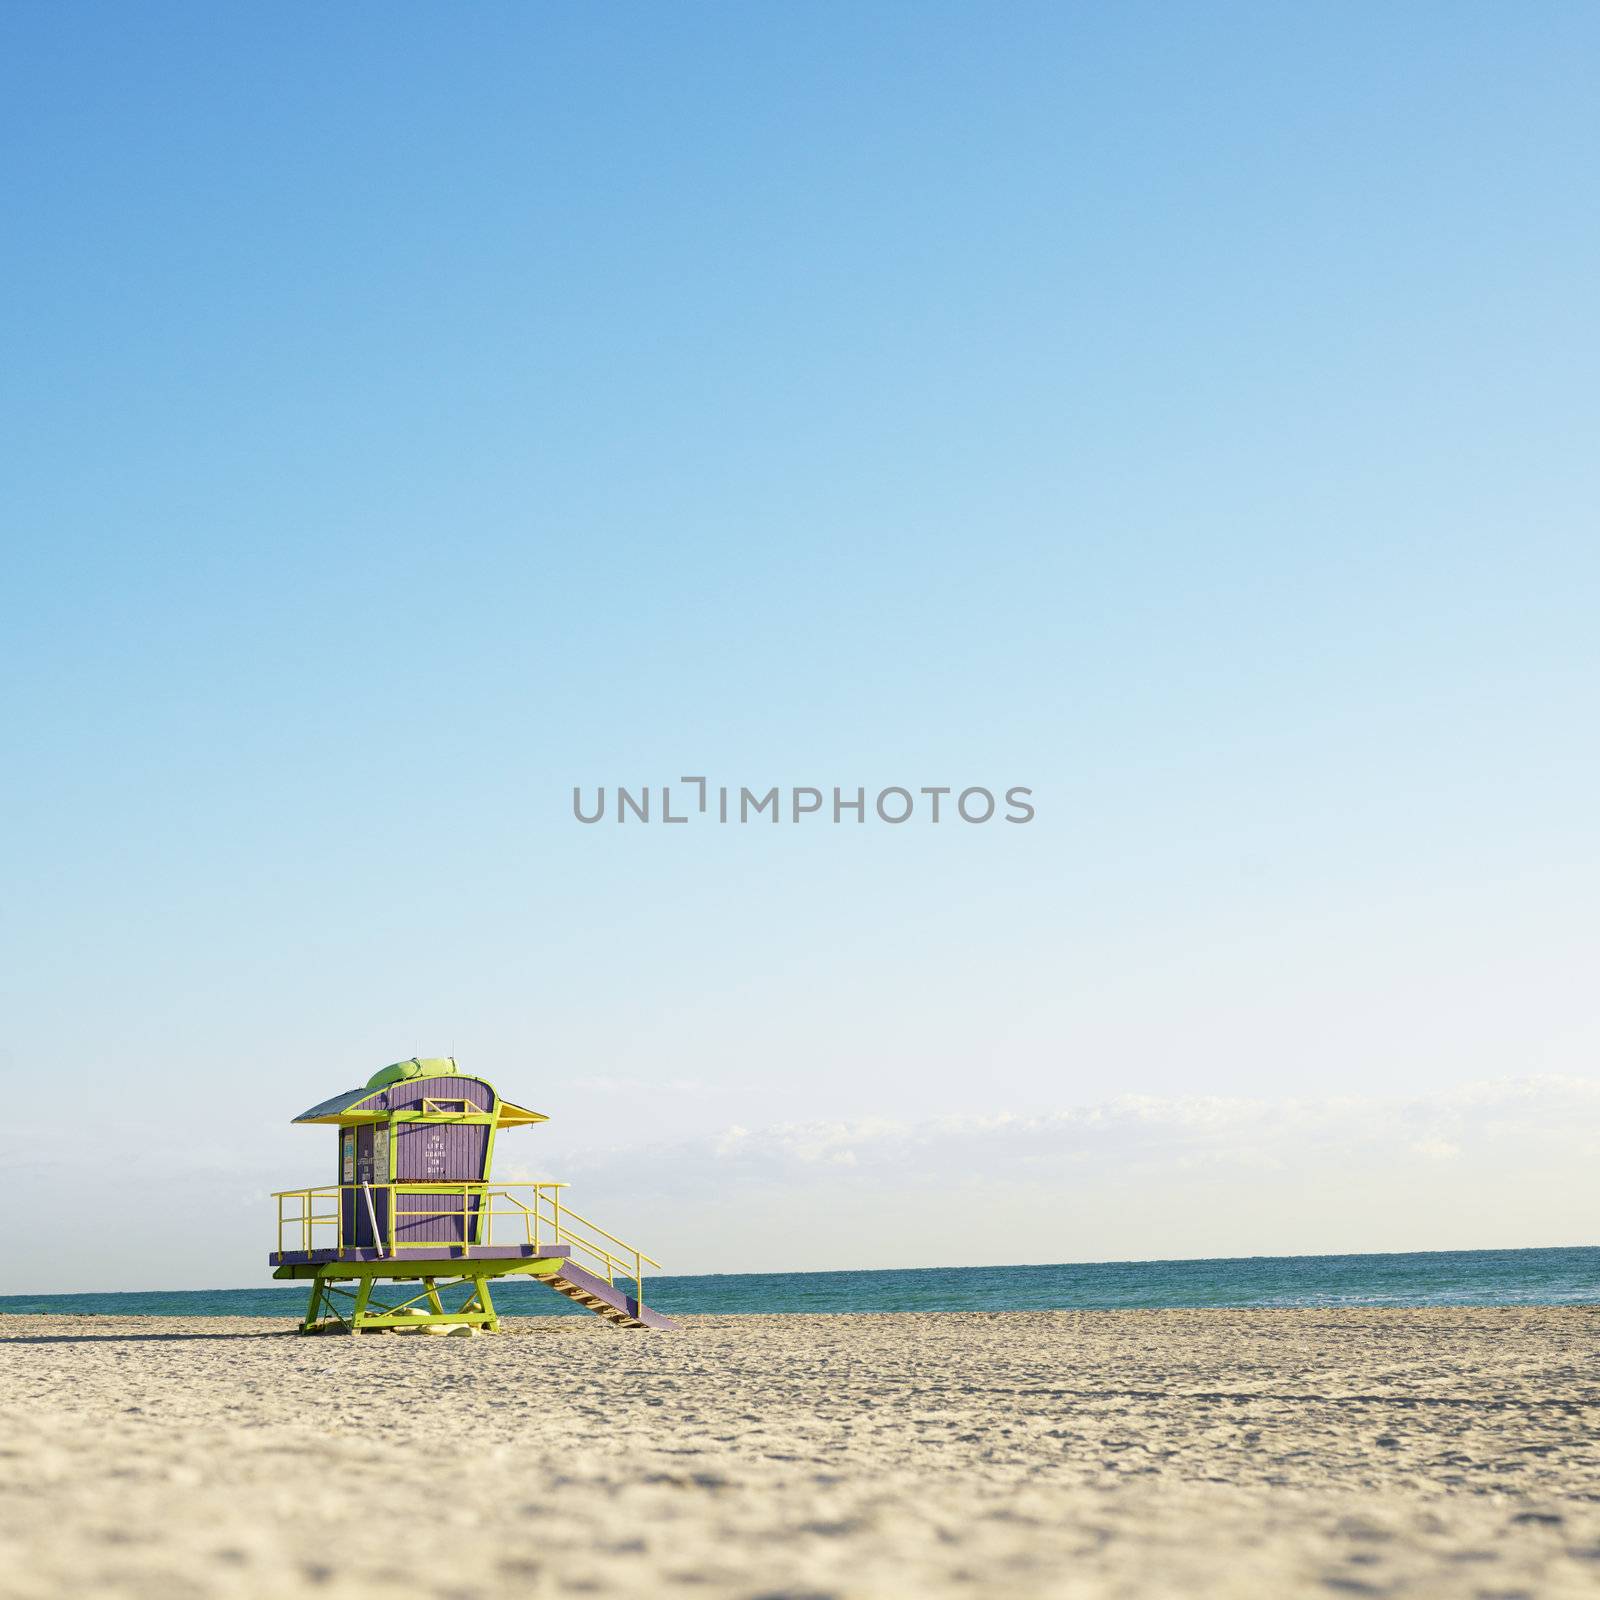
x: 413, y: 412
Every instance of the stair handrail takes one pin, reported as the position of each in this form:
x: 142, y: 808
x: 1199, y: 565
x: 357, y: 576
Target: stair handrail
x: 564, y: 1233
x: 578, y: 1216
x: 614, y: 1266
x: 612, y: 1262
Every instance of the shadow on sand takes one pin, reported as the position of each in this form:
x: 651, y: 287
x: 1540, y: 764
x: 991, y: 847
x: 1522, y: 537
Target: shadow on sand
x: 112, y: 1337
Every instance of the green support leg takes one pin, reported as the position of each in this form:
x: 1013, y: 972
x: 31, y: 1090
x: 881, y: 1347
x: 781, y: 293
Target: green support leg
x: 314, y: 1306
x: 433, y: 1296
x: 363, y: 1294
x: 486, y: 1304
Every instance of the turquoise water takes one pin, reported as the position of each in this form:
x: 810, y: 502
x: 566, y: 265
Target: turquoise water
x: 1436, y: 1278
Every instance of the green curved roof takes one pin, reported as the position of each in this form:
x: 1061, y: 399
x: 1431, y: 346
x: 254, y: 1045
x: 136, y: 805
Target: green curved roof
x: 417, y: 1067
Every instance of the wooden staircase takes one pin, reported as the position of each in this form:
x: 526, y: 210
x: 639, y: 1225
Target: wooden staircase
x: 593, y: 1293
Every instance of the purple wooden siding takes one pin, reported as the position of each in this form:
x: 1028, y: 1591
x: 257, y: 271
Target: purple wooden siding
x: 440, y: 1152
x: 409, y: 1095
x: 356, y: 1225
x: 380, y: 1209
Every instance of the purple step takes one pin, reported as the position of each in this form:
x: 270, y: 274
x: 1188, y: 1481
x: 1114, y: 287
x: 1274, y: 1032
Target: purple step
x: 573, y: 1281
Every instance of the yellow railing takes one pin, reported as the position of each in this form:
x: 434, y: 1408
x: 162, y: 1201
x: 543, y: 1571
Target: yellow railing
x: 297, y: 1229
x: 530, y: 1213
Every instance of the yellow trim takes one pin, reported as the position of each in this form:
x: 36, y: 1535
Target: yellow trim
x: 518, y: 1116
x: 508, y: 1116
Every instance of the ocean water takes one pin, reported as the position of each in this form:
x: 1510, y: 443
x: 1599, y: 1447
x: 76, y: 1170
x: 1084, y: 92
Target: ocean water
x: 1435, y: 1278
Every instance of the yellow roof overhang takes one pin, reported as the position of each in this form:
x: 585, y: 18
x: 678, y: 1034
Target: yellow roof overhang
x: 350, y: 1109
x: 517, y: 1116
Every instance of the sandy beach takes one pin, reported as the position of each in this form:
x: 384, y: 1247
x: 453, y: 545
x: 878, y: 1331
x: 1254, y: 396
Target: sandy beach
x: 1439, y: 1452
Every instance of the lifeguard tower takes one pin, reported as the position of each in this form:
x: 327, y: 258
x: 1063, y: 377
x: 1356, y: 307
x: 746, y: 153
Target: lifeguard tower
x: 415, y: 1205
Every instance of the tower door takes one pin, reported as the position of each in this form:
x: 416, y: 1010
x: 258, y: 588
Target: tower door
x: 364, y: 1201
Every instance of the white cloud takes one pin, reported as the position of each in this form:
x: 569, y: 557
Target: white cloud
x: 1132, y: 1133
x: 1493, y: 1163
x: 1436, y: 1149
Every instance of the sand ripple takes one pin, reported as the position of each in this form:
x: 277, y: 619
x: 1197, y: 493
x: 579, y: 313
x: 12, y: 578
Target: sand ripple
x: 1406, y: 1453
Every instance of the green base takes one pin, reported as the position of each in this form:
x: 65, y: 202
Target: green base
x: 324, y: 1315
